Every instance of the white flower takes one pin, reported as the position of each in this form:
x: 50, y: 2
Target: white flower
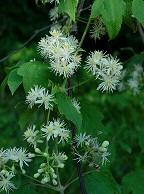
x: 134, y: 85
x: 109, y: 83
x: 81, y: 139
x: 3, y: 159
x: 95, y: 61
x: 64, y: 135
x: 53, y: 14
x: 11, y: 154
x: 40, y: 96
x: 138, y: 68
x: 46, y: 99
x: 23, y: 157
x: 33, y: 94
x: 49, y: 131
x: 6, y: 183
x: 60, y: 159
x: 31, y: 136
x: 76, y: 104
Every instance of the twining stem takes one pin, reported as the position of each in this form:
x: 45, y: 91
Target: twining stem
x: 61, y: 188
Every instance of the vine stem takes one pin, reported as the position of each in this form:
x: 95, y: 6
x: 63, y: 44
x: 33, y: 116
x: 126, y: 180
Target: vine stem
x: 85, y: 32
x: 79, y: 167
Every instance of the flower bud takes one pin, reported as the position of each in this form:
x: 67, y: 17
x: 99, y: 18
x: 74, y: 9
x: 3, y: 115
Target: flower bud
x: 43, y: 165
x: 40, y: 170
x: 31, y: 155
x: 54, y: 182
x: 101, y: 149
x: 105, y: 144
x: 36, y: 175
x: 23, y: 171
x: 37, y: 150
x: 45, y: 154
x: 46, y: 179
x: 60, y: 165
x: 54, y: 175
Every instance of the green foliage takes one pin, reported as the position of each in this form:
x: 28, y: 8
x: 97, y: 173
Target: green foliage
x: 112, y: 13
x: 92, y: 119
x: 128, y: 19
x: 96, y: 8
x: 138, y: 9
x: 14, y: 80
x: 34, y: 73
x: 69, y: 7
x: 67, y: 108
x: 25, y: 117
x: 3, y: 85
x: 28, y: 189
x: 101, y: 183
x: 133, y: 181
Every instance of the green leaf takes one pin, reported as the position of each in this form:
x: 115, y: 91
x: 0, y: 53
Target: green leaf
x: 138, y: 10
x: 101, y: 183
x: 96, y: 8
x: 92, y: 119
x: 9, y: 69
x: 141, y: 140
x: 69, y: 7
x: 134, y: 182
x: 34, y: 73
x: 3, y: 85
x: 14, y: 80
x: 25, y: 117
x: 28, y: 189
x: 126, y: 147
x: 112, y: 13
x: 67, y: 108
x: 128, y: 19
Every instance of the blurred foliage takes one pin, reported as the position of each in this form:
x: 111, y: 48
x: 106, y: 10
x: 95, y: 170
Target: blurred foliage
x: 123, y: 112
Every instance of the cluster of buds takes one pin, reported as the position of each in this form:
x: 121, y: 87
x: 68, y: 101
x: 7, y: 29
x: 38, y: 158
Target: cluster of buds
x: 47, y: 169
x: 91, y: 151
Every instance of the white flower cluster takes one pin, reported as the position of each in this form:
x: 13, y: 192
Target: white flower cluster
x: 134, y: 83
x: 56, y: 129
x: 40, y: 96
x: 91, y: 151
x: 105, y: 68
x: 46, y: 169
x: 132, y: 79
x: 18, y: 156
x: 98, y: 29
x: 61, y: 52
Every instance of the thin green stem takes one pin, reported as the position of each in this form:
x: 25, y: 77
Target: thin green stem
x: 77, y: 85
x: 61, y: 188
x: 85, y: 32
x: 77, y: 179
